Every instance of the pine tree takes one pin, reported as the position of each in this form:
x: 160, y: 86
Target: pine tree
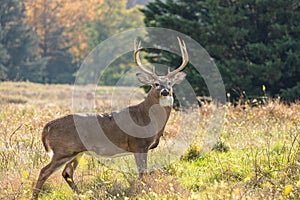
x: 254, y: 43
x: 3, y: 58
x: 19, y: 43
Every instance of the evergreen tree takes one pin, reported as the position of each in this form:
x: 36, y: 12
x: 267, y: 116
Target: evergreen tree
x: 254, y: 43
x: 18, y: 44
x: 3, y: 58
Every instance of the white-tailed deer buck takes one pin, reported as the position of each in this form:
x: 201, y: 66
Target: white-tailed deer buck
x: 65, y: 138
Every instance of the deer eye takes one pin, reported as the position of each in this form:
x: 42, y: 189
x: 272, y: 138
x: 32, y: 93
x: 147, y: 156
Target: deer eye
x: 156, y: 84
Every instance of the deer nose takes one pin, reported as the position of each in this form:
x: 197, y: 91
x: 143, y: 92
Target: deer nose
x: 164, y: 92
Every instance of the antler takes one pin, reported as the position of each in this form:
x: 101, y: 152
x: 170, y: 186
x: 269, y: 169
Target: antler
x: 185, y: 58
x: 138, y: 62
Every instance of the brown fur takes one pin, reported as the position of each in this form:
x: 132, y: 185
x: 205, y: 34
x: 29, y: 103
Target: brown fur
x: 65, y: 138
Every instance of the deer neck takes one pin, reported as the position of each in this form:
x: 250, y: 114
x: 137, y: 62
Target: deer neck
x: 153, y: 99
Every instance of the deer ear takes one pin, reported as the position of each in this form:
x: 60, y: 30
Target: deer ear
x: 143, y: 78
x: 178, y: 78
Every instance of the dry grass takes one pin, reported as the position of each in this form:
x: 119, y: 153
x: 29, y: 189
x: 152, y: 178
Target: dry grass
x: 262, y: 160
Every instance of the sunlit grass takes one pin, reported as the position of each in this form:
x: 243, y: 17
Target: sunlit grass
x: 257, y: 156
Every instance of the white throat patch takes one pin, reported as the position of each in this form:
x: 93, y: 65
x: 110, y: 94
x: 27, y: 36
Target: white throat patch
x: 165, y: 101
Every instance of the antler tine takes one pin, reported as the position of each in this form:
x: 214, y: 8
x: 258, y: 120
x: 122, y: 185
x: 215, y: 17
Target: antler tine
x: 185, y: 58
x: 182, y: 45
x: 138, y: 62
x: 136, y: 52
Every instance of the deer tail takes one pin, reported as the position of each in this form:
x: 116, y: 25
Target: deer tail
x: 45, y: 142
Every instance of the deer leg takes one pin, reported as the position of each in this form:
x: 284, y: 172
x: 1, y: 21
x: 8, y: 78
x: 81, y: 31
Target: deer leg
x: 46, y: 172
x: 141, y: 163
x: 68, y: 174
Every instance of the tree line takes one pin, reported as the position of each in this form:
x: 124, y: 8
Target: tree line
x: 45, y: 41
x: 255, y: 43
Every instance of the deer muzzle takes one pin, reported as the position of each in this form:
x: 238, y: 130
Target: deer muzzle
x: 164, y: 92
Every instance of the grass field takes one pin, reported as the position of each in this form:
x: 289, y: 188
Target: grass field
x: 257, y: 155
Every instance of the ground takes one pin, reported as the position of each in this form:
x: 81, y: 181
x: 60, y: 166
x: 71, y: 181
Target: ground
x: 256, y: 155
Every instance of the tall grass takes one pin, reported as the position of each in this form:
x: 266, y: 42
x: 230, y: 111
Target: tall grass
x: 257, y: 155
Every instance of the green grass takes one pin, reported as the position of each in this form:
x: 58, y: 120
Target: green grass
x: 257, y: 155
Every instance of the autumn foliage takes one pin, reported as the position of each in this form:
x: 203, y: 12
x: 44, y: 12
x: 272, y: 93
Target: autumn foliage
x: 46, y: 40
x: 67, y: 16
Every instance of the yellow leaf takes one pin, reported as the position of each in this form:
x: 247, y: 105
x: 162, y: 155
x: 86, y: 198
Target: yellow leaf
x: 69, y: 180
x: 25, y: 174
x: 298, y: 183
x: 237, y: 191
x: 264, y: 88
x: 288, y: 189
x: 248, y: 177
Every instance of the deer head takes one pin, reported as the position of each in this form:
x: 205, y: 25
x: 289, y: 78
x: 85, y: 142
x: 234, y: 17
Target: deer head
x: 162, y: 86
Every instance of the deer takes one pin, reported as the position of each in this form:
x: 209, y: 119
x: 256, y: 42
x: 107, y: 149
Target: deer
x: 66, y: 138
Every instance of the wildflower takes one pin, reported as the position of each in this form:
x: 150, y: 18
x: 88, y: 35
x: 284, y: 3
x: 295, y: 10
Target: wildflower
x: 25, y: 174
x: 287, y: 189
x: 248, y: 177
x: 237, y: 191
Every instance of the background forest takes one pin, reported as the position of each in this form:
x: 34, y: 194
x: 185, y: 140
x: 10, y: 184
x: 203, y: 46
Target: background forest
x: 53, y: 37
x: 255, y: 44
